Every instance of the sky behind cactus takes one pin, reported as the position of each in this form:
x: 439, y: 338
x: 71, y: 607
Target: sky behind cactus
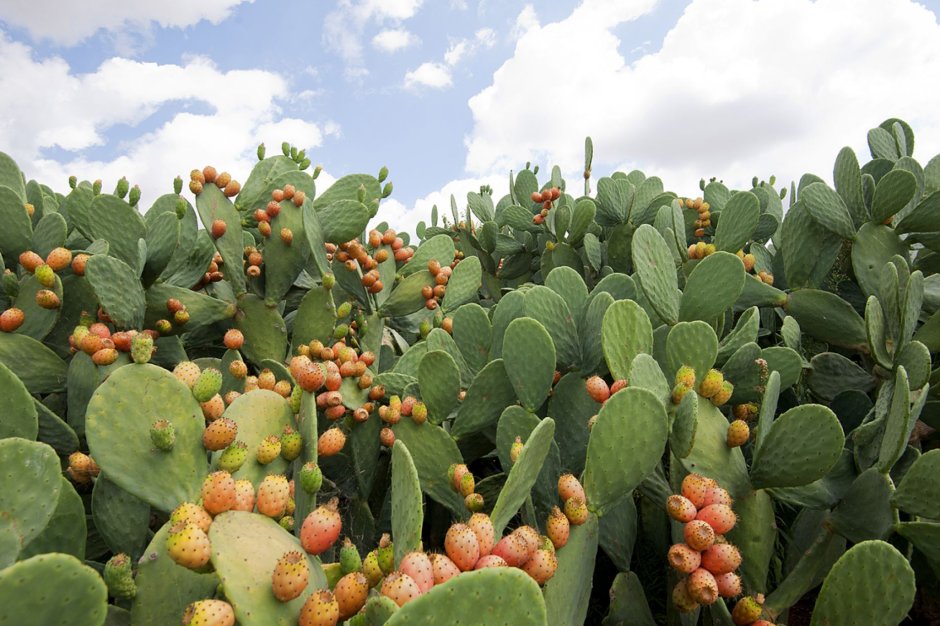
x: 454, y: 93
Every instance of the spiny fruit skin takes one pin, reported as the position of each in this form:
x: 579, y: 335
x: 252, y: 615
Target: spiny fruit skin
x: 685, y: 376
x: 321, y: 528
x: 187, y: 373
x: 372, y: 571
x: 311, y: 477
x: 273, y: 496
x: 680, y: 508
x: 244, y: 496
x: 717, y: 495
x: 351, y: 592
x: 729, y: 584
x: 163, y: 435
x: 119, y: 577
x: 570, y: 487
x: 702, y: 587
x: 207, y: 385
x: 746, y: 611
x: 462, y: 546
x: 59, y: 259
x: 191, y: 513
x: 684, y: 559
x: 233, y: 339
x: 214, y: 408
x: 513, y: 549
x: 218, y: 492
x: 11, y: 319
x: 238, y: 369
x: 490, y: 560
x: 45, y: 275
x: 558, y: 528
x: 694, y: 487
x: 320, y: 609
x: 721, y: 558
x: 681, y: 597
x: 699, y: 535
x: 443, y: 568
x: 209, y: 613
x: 47, y: 299
x: 188, y: 545
x: 597, y: 388
x: 718, y: 516
x: 234, y: 456
x: 531, y: 537
x: 349, y: 559
x: 219, y: 434
x: 516, y: 449
x: 400, y: 588
x: 576, y: 511
x: 482, y: 527
x: 141, y: 348
x: 724, y: 394
x: 218, y: 229
x: 290, y: 576
x: 541, y: 566
x: 331, y: 442
x: 711, y: 383
x: 386, y: 554
x: 268, y: 450
x: 418, y: 566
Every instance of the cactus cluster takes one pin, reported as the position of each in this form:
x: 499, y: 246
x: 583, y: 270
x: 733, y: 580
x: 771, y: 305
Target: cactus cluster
x: 625, y: 406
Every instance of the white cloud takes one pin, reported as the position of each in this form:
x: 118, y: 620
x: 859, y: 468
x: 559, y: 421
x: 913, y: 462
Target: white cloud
x: 434, y: 75
x: 393, y: 40
x: 69, y: 22
x: 525, y: 21
x: 777, y: 87
x: 79, y: 111
x: 464, y: 48
x: 343, y: 27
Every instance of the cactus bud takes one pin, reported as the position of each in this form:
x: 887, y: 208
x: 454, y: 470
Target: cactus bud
x: 361, y: 193
x: 260, y: 151
x: 285, y: 148
x: 163, y: 435
x: 383, y: 174
x: 293, y: 153
x: 329, y: 280
x: 304, y: 164
x: 344, y: 309
x: 122, y: 187
x: 134, y: 197
x: 96, y: 187
x: 316, y: 171
x: 387, y: 189
x: 73, y: 182
x: 177, y: 185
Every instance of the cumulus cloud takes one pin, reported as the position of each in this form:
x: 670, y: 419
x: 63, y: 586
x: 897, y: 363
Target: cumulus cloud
x: 434, y: 75
x: 737, y: 88
x: 343, y: 27
x: 77, y: 115
x: 393, y: 40
x: 68, y: 23
x: 439, y: 75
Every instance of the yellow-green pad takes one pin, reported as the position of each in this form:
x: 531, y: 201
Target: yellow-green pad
x: 523, y: 474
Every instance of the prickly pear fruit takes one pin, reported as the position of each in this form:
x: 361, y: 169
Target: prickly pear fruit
x: 680, y: 508
x: 721, y: 558
x: 191, y: 513
x: 569, y: 487
x: 219, y: 434
x: 311, y: 477
x: 729, y: 584
x: 163, y: 435
x: 532, y: 539
x: 349, y: 559
x: 597, y: 388
x: 462, y: 546
x: 141, y: 348
x: 576, y: 511
x: 694, y: 488
x: 218, y: 492
x: 482, y: 527
x: 290, y: 576
x: 684, y: 559
x: 681, y: 597
x: 418, y: 566
x: 718, y: 516
x: 331, y: 442
x: 443, y: 568
x: 371, y: 569
x: 59, y: 259
x: 187, y: 373
x: 321, y: 528
x: 702, y: 587
x: 717, y: 495
x: 557, y: 528
x: 711, y: 383
x: 351, y: 592
x: 209, y: 613
x: 233, y: 339
x: 724, y: 394
x: 400, y: 588
x: 320, y: 609
x: 119, y: 577
x: 273, y: 496
x: 490, y: 560
x: 207, y: 385
x: 234, y: 456
x: 516, y: 449
x: 45, y: 275
x: 268, y: 450
x: 541, y: 566
x: 685, y: 376
x: 386, y: 554
x: 746, y: 611
x: 699, y: 535
x: 244, y: 496
x: 188, y: 545
x: 11, y: 319
x: 513, y: 549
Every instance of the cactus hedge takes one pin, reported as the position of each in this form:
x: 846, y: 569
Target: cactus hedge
x: 558, y: 405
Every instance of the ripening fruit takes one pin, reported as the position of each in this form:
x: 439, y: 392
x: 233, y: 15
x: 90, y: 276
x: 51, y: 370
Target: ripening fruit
x: 746, y: 611
x: 218, y: 229
x: 418, y: 566
x: 699, y: 535
x: 321, y: 528
x: 684, y: 559
x: 514, y: 549
x: 680, y: 508
x: 331, y: 442
x: 482, y: 527
x: 209, y: 613
x: 188, y: 545
x: 557, y: 528
x: 702, y: 587
x: 11, y: 319
x: 191, y: 513
x: 273, y: 496
x: 717, y: 495
x: 694, y: 487
x: 738, y: 434
x: 462, y: 546
x: 719, y: 516
x: 244, y: 496
x: 711, y: 383
x: 233, y: 339
x: 597, y: 388
x: 218, y: 492
x: 569, y: 487
x: 400, y: 588
x: 219, y: 434
x: 351, y: 592
x: 541, y: 566
x: 576, y: 511
x: 290, y: 576
x: 729, y: 585
x: 443, y: 568
x: 490, y: 560
x: 320, y: 609
x: 681, y: 597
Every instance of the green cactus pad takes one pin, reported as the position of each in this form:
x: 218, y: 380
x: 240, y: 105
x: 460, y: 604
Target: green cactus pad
x: 464, y: 284
x: 628, y: 606
x: 755, y: 536
x: 316, y: 317
x: 645, y: 373
x: 865, y: 510
x: 38, y: 322
x: 163, y: 235
x: 574, y: 407
x: 114, y: 220
x: 38, y: 367
x: 121, y: 518
x: 738, y: 220
x: 569, y: 284
x: 213, y: 205
x: 744, y: 332
x: 283, y: 262
x: 510, y: 306
x: 264, y: 330
x: 307, y: 427
x: 523, y: 474
x: 914, y: 357
x: 11, y: 177
x: 53, y: 590
x: 874, y: 246
x: 900, y: 421
x: 529, y: 359
x: 407, y: 511
x: 919, y: 491
x: 517, y: 422
x: 439, y: 380
x: 473, y: 333
x: 118, y: 421
x: 657, y: 273
x: 568, y: 592
x: 118, y: 290
x: 892, y: 193
x: 693, y: 344
x: 18, y: 230
x: 499, y: 596
x: 439, y: 339
x: 630, y: 434
x: 439, y: 248
x: 258, y: 185
x: 808, y: 249
x: 802, y: 446
x: 490, y: 393
x: 828, y: 210
x: 618, y: 532
x: 406, y: 298
x: 245, y: 549
x: 684, y: 426
x: 713, y: 287
x: 848, y: 182
x: 29, y: 492
x: 258, y: 414
x: 54, y: 431
x: 19, y: 417
x: 872, y: 582
x: 591, y: 327
x: 831, y: 374
x: 378, y: 611
x: 551, y: 310
x: 827, y: 317
x: 625, y: 333
x: 925, y: 536
x: 67, y: 528
x: 433, y: 451
x: 203, y: 310
x: 712, y: 457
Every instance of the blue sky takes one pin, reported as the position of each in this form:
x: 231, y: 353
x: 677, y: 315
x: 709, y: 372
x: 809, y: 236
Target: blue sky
x: 454, y: 93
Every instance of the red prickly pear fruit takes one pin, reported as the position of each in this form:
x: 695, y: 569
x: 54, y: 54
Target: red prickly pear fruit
x: 208, y: 174
x: 462, y: 546
x: 214, y: 408
x: 597, y: 388
x: 746, y: 611
x: 680, y: 508
x: 718, y: 516
x: 219, y: 434
x: 443, y: 568
x: 533, y: 539
x: 617, y: 385
x: 570, y: 487
x: 418, y: 566
x: 244, y: 496
x: 387, y: 437
x: 232, y: 189
x: 268, y: 450
x: 681, y: 598
x: 541, y: 566
x: 321, y: 528
x: 576, y: 511
x: 723, y: 395
x: 218, y: 229
x: 711, y: 383
x: 218, y: 492
x: 729, y: 584
x: 234, y: 339
x: 699, y: 535
x: 209, y: 613
x: 188, y: 545
x: 105, y: 356
x: 59, y: 259
x: 694, y: 487
x: 557, y: 528
x: 191, y: 513
x: 513, y: 549
x: 482, y: 527
x: 11, y: 319
x: 351, y: 593
x: 685, y: 376
x: 721, y: 558
x: 717, y: 495
x: 78, y: 264
x: 290, y: 576
x: 702, y: 587
x: 400, y: 588
x: 516, y: 449
x: 30, y: 261
x: 310, y: 376
x: 320, y: 609
x: 47, y: 299
x: 331, y: 442
x: 273, y: 496
x: 684, y: 559
x: 490, y: 560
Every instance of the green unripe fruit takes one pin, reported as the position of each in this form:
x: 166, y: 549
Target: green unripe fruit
x: 383, y: 174
x: 287, y: 523
x: 177, y: 185
x: 328, y: 281
x: 119, y: 577
x: 45, y: 275
x: 285, y: 148
x: 344, y: 309
x: 291, y: 443
x: 311, y: 478
x: 164, y: 327
x: 181, y: 209
x: 163, y: 435
x: 122, y: 186
x: 361, y: 193
x: 340, y: 331
x: 425, y: 328
x: 371, y: 569
x: 73, y: 182
x: 293, y: 153
x: 141, y: 348
x: 296, y: 397
x: 260, y: 152
x: 474, y: 502
x: 386, y: 556
x: 316, y: 171
x: 134, y: 196
x: 233, y: 457
x: 349, y: 559
x: 207, y: 385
